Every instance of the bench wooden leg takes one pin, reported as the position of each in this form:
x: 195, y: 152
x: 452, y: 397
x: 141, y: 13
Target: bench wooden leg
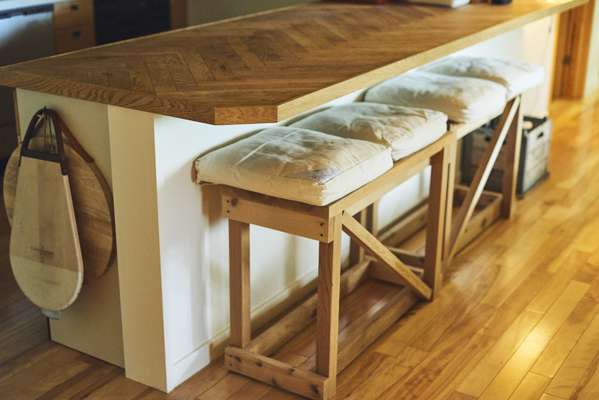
x: 449, y: 198
x: 356, y: 252
x: 512, y: 165
x: 435, y: 230
x: 369, y: 219
x: 239, y: 283
x: 327, y: 319
x: 372, y: 223
x: 482, y: 175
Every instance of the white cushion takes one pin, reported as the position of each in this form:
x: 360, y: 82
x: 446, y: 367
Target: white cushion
x: 296, y: 164
x: 516, y: 76
x: 406, y: 130
x: 462, y: 99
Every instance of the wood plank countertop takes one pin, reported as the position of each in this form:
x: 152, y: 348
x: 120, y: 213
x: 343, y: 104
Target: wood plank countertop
x: 271, y: 66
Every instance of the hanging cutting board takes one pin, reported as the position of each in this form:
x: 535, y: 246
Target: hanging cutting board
x: 92, y: 200
x: 45, y: 253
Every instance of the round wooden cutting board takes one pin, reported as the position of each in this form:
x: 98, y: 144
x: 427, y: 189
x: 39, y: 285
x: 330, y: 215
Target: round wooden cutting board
x: 92, y: 201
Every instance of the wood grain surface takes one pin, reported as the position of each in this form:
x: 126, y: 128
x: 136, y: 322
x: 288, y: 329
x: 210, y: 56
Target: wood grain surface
x: 93, y: 209
x: 270, y: 66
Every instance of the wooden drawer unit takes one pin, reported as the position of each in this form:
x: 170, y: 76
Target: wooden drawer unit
x: 68, y: 14
x: 74, y: 25
x: 71, y: 39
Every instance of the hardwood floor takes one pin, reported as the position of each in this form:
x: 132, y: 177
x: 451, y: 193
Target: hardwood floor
x: 22, y: 326
x: 518, y: 317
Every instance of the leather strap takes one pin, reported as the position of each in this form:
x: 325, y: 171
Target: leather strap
x: 39, y: 120
x: 62, y: 133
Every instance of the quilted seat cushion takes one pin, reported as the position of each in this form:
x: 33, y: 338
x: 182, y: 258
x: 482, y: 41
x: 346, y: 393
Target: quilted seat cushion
x: 462, y: 99
x: 516, y: 76
x: 404, y: 129
x: 296, y: 164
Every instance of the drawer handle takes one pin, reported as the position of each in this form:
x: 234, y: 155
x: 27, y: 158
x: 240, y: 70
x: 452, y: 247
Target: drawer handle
x: 77, y: 34
x: 74, y: 7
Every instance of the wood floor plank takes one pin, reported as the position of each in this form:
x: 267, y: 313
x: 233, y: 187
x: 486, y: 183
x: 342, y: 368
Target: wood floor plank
x: 358, y: 372
x: 506, y: 381
x: 573, y: 262
x: 225, y: 388
x: 550, y: 397
x: 460, y: 341
x: 566, y: 338
x: 84, y: 383
x: 594, y: 259
x: 407, y: 356
x: 459, y: 396
x: 202, y: 381
x: 582, y: 358
x: 446, y: 382
x: 26, y: 360
x: 531, y: 387
x: 120, y: 387
x: 452, y: 301
x: 591, y: 390
x: 475, y: 384
x: 44, y: 375
x: 387, y: 373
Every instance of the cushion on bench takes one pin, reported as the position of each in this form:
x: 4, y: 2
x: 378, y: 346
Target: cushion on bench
x: 462, y: 99
x: 406, y: 130
x: 516, y: 76
x: 296, y: 164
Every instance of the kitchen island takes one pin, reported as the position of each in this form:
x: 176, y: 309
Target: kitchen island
x: 146, y: 108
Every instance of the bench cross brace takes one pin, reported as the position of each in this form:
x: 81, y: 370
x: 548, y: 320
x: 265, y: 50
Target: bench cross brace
x: 509, y: 119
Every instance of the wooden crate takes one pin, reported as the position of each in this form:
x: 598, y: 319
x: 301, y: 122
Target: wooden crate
x: 534, y: 156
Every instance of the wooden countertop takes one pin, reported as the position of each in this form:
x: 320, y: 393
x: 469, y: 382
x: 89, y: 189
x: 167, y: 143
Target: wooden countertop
x: 271, y: 66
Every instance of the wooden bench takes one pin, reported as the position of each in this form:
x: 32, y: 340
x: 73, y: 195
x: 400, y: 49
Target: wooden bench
x: 416, y: 278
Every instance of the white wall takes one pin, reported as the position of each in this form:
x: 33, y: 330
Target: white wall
x: 592, y: 83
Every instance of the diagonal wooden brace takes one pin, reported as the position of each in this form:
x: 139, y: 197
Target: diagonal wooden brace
x: 482, y: 175
x: 405, y: 275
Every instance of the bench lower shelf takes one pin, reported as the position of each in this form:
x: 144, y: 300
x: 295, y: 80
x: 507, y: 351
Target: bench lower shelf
x: 409, y: 232
x: 365, y: 313
x: 369, y: 307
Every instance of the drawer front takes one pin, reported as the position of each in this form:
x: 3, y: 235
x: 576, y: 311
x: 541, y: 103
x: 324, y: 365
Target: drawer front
x: 71, y: 14
x: 76, y: 38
